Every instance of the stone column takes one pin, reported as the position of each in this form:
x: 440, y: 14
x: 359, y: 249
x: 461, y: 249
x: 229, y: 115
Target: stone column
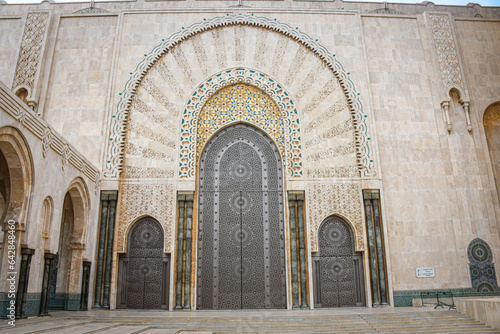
x: 85, y: 286
x: 22, y: 288
x: 74, y: 290
x: 375, y: 247
x: 44, y: 303
x: 181, y: 206
x: 298, y: 249
x: 183, y: 249
x: 105, y: 249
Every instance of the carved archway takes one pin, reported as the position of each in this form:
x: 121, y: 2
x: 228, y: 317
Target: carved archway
x: 115, y: 152
x: 19, y: 170
x: 491, y: 122
x: 143, y: 279
x: 65, y: 278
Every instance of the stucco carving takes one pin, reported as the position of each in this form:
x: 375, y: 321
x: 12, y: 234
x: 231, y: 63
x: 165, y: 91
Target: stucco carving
x: 65, y: 157
x: 46, y: 141
x: 342, y: 199
x: 446, y: 52
x: 146, y: 199
x: 31, y: 48
x: 115, y: 150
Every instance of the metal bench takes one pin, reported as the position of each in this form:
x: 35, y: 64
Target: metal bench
x: 438, y: 299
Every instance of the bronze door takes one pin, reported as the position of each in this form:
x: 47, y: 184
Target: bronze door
x: 240, y: 243
x: 143, y: 271
x: 337, y: 268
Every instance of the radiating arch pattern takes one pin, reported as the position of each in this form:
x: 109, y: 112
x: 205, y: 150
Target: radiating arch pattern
x: 115, y: 152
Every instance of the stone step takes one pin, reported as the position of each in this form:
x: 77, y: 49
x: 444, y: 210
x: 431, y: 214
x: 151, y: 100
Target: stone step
x: 366, y: 321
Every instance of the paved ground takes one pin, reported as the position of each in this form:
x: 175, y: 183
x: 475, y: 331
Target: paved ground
x: 345, y: 320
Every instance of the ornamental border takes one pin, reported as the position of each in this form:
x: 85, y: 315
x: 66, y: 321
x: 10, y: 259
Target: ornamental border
x: 209, y: 87
x: 115, y: 152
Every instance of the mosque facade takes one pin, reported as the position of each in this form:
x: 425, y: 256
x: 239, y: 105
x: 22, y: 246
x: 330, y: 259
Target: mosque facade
x: 193, y: 155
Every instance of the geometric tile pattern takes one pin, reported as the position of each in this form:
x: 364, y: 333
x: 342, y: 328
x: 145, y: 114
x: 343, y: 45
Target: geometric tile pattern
x: 481, y: 267
x: 278, y: 105
x: 240, y: 103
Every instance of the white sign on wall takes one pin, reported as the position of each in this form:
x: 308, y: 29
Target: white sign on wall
x: 425, y: 272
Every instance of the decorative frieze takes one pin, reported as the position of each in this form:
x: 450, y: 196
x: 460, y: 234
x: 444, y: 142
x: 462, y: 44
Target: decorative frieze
x: 334, y: 172
x: 346, y: 149
x: 336, y: 109
x: 201, y: 54
x: 333, y: 132
x: 157, y: 93
x: 444, y: 42
x: 449, y: 65
x: 220, y: 47
x: 130, y: 172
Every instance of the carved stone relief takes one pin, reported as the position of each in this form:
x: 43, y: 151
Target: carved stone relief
x: 446, y: 52
x: 31, y: 48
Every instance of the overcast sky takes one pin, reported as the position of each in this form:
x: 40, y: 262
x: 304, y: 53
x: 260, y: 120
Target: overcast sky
x: 440, y: 2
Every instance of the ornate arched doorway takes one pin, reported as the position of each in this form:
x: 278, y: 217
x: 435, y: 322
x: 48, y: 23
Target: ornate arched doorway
x: 337, y: 268
x: 143, y: 270
x: 240, y: 245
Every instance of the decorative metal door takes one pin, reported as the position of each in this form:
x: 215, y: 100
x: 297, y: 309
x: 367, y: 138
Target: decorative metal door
x: 337, y: 268
x: 240, y: 245
x: 143, y: 271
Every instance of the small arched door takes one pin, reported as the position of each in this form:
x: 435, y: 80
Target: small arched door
x: 143, y: 271
x: 337, y: 268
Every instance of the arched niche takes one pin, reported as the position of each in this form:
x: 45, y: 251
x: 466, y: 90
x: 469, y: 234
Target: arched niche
x: 23, y: 94
x: 491, y: 122
x: 46, y: 215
